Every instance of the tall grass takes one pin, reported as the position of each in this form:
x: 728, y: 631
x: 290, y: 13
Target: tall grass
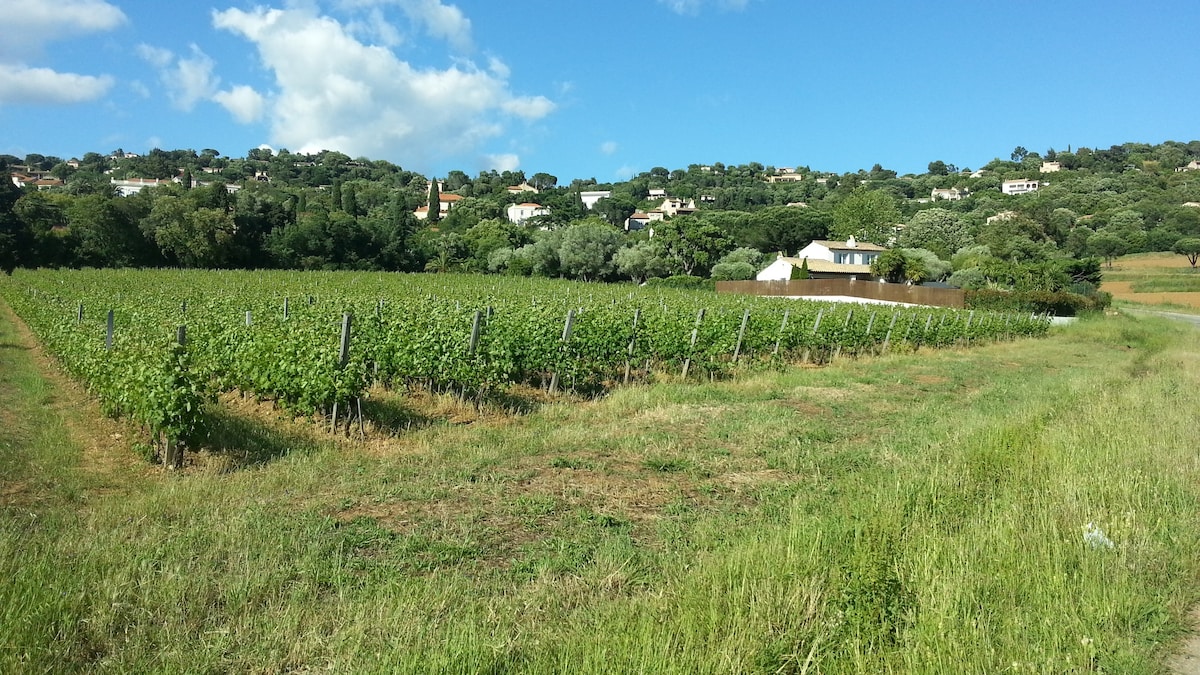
x: 912, y: 513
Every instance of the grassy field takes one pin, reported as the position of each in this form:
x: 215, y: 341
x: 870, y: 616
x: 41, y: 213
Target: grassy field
x: 910, y: 513
x: 1161, y: 280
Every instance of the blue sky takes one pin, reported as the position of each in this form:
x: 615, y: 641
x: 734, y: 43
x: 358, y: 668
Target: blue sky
x: 600, y: 89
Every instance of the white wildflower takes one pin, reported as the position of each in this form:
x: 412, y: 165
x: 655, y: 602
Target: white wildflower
x: 1094, y: 537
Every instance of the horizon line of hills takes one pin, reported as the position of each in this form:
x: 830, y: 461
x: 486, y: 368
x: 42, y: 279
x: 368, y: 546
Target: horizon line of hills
x: 320, y: 169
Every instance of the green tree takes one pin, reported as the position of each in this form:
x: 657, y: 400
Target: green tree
x: 587, y: 248
x: 640, y: 262
x: 938, y: 168
x: 783, y: 228
x: 435, y: 203
x: 801, y: 272
x: 867, y: 215
x: 1107, y: 245
x: 937, y: 230
x: 1188, y: 247
x: 692, y: 243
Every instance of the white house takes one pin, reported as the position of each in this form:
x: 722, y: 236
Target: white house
x: 674, y: 206
x: 1051, y: 167
x: 656, y: 193
x: 948, y: 194
x: 639, y: 220
x: 590, y: 198
x: 519, y: 213
x: 132, y: 186
x: 786, y: 177
x: 1003, y: 215
x: 1019, y: 186
x: 1193, y: 165
x: 781, y: 269
x: 445, y: 203
x: 518, y: 189
x: 826, y: 260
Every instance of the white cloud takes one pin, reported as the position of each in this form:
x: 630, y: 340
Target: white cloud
x: 608, y: 147
x: 692, y: 7
x: 333, y: 92
x: 625, y: 172
x: 188, y: 80
x: 21, y: 84
x: 139, y: 88
x: 192, y: 79
x: 28, y: 26
x: 445, y: 22
x: 501, y: 162
x: 530, y: 107
x: 245, y: 104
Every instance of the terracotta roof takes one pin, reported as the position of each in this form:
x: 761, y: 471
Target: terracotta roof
x: 536, y: 206
x: 449, y: 198
x: 824, y: 266
x: 841, y: 246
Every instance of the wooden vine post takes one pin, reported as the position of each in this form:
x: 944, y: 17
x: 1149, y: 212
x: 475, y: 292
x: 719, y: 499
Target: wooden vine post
x: 816, y: 327
x: 173, y: 457
x: 475, y: 323
x: 566, y: 336
x: 782, y: 327
x: 737, y: 350
x: 687, y: 363
x: 637, y: 315
x: 837, y: 351
x: 887, y: 339
x: 343, y: 359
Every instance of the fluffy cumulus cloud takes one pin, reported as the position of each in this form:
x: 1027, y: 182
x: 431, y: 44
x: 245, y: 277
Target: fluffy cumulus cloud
x: 608, y: 147
x: 28, y: 27
x: 445, y: 22
x: 333, y: 91
x: 695, y: 6
x: 187, y: 79
x: 501, y: 162
x: 245, y: 104
x: 19, y: 84
x: 191, y: 79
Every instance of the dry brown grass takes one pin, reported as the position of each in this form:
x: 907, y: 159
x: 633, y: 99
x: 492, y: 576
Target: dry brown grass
x: 1145, y: 266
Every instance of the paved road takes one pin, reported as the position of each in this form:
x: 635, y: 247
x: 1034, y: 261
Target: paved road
x: 1193, y: 319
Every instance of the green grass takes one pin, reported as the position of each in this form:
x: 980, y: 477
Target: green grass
x: 911, y: 513
x: 1176, y: 283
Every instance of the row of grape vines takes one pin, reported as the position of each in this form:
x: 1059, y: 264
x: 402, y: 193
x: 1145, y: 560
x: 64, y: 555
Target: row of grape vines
x: 280, y: 335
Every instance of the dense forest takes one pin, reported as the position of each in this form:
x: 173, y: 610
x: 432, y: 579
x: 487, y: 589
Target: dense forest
x: 329, y: 211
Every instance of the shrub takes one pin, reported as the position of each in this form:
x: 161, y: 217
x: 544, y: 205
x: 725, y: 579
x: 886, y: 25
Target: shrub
x: 1058, y: 303
x: 683, y: 281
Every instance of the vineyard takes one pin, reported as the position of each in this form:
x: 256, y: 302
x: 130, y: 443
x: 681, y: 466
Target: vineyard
x: 158, y: 346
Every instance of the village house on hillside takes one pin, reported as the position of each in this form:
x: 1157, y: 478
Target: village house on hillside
x: 1019, y: 186
x: 519, y: 213
x: 589, y: 198
x: 848, y: 259
x: 948, y: 194
x: 445, y: 203
x: 523, y: 187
